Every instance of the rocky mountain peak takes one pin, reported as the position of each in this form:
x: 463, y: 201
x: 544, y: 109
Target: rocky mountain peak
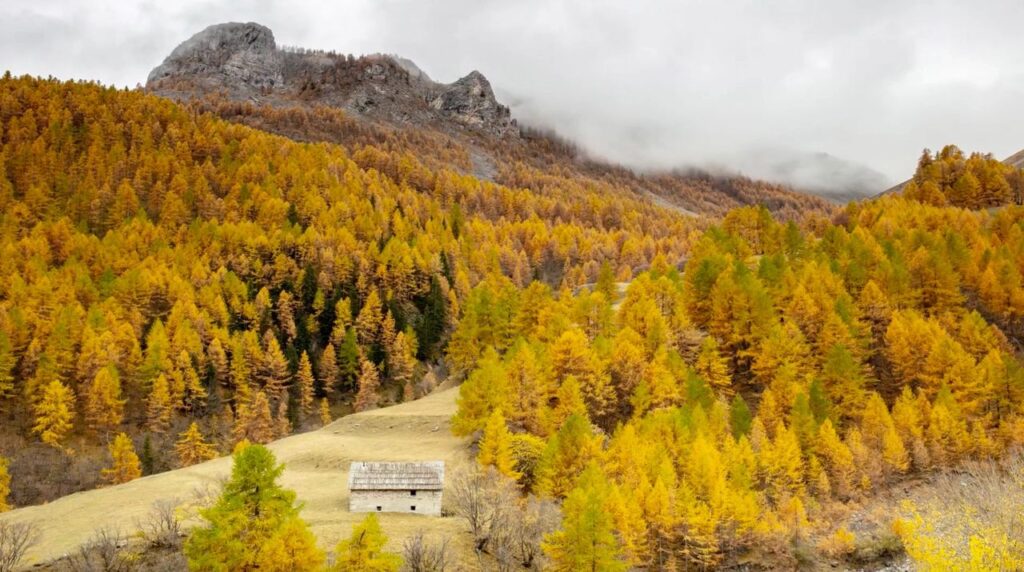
x: 471, y: 100
x: 243, y: 54
x: 242, y: 61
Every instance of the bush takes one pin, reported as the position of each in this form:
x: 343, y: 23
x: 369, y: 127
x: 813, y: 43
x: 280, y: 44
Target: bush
x: 162, y: 528
x: 423, y: 556
x: 883, y: 547
x: 104, y: 552
x: 839, y: 544
x: 15, y: 540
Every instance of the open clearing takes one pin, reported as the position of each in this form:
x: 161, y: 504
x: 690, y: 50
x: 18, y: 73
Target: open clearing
x: 316, y: 468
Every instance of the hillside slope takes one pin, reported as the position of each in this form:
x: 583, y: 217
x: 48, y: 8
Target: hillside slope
x: 132, y: 223
x: 316, y: 468
x: 239, y: 72
x: 1016, y: 161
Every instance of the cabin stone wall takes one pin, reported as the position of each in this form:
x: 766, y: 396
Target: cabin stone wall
x: 426, y: 502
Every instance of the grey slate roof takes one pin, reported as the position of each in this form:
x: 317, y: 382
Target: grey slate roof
x: 379, y: 476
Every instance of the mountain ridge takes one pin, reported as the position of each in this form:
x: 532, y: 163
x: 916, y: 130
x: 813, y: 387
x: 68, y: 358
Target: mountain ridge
x: 237, y: 71
x: 243, y: 61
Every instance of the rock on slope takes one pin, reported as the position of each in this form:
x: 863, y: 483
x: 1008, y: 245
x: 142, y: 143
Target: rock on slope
x: 242, y: 61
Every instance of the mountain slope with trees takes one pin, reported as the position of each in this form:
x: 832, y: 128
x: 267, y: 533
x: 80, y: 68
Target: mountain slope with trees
x: 166, y: 267
x: 734, y: 412
x: 238, y: 71
x: 185, y: 277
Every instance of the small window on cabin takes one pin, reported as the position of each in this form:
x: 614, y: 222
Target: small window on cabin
x: 413, y: 507
x: 412, y: 493
x: 378, y: 509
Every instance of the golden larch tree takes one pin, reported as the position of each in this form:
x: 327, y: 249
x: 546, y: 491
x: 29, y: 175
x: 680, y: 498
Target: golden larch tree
x: 364, y: 549
x: 282, y: 424
x: 370, y: 319
x: 328, y: 369
x: 713, y: 368
x: 253, y: 421
x: 158, y: 406
x: 5, y: 484
x: 369, y: 386
x: 104, y: 407
x: 571, y: 355
x: 192, y: 448
x: 325, y: 411
x: 305, y: 382
x: 124, y: 462
x: 496, y: 446
x: 274, y: 370
x: 54, y: 414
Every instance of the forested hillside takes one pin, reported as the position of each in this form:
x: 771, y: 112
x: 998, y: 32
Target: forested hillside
x: 238, y: 71
x: 975, y: 181
x: 692, y: 391
x: 740, y: 410
x: 538, y: 160
x: 164, y: 266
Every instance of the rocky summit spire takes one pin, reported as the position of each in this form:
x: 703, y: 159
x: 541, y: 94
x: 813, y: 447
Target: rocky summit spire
x: 240, y: 56
x: 471, y: 101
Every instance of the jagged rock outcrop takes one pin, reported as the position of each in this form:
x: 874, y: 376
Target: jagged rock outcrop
x: 240, y: 56
x: 471, y: 101
x: 242, y: 61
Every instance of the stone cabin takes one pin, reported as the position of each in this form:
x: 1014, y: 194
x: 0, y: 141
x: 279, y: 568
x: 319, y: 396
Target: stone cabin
x: 411, y: 487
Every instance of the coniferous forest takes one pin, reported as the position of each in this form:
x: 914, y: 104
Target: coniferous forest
x: 185, y: 281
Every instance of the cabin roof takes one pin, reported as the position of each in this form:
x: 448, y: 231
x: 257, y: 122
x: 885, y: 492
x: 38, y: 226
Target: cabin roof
x: 389, y: 476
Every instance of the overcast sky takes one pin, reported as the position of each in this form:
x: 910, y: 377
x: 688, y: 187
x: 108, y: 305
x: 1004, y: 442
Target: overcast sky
x: 650, y: 83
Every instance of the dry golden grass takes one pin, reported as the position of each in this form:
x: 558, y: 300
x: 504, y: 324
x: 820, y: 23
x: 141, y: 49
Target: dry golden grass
x: 316, y: 468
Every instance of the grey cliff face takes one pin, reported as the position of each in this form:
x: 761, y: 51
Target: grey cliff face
x: 471, y: 100
x: 244, y: 62
x: 240, y: 55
